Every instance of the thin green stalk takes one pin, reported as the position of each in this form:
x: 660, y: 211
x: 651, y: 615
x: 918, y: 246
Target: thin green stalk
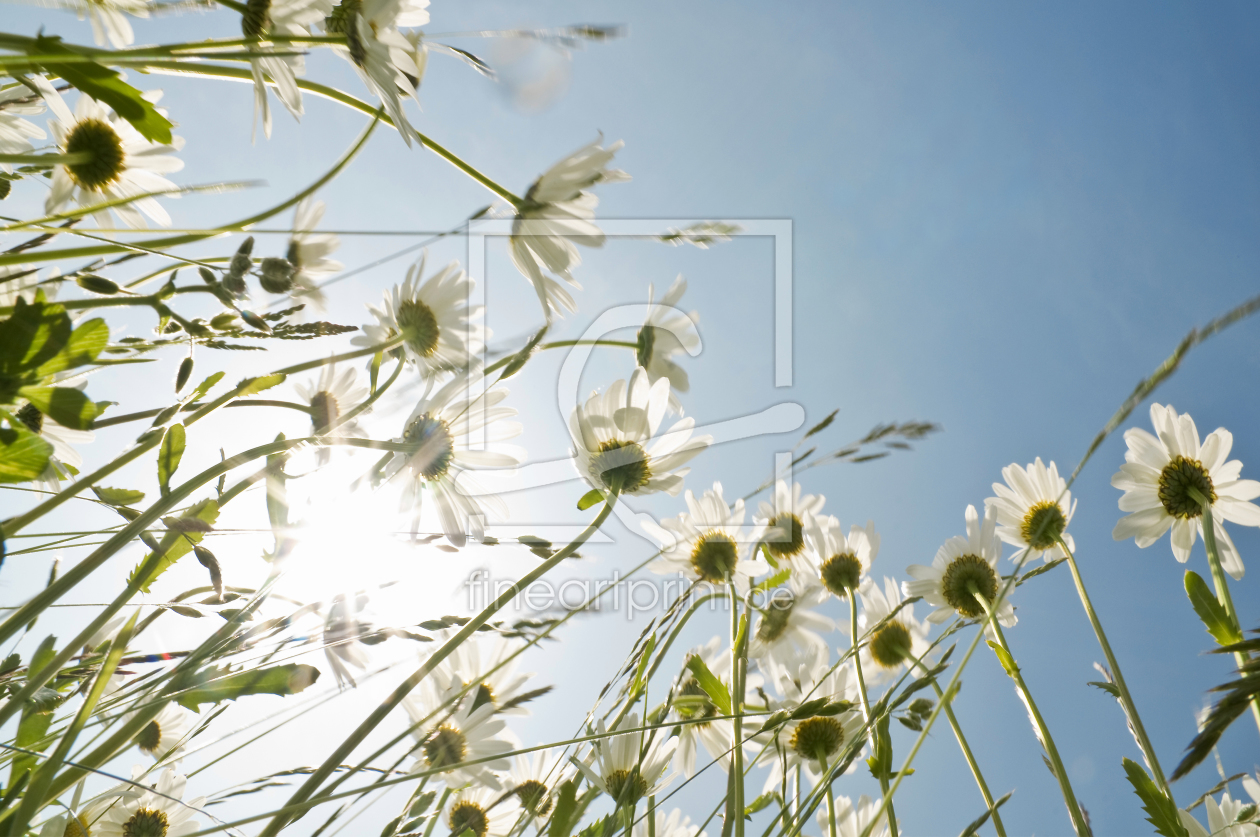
x: 437, y: 812
x: 831, y: 801
x: 1126, y: 697
x: 965, y: 747
x: 560, y: 344
x: 735, y: 805
x: 866, y: 705
x: 308, y: 788
x: 1222, y: 586
x: 48, y: 159
x: 1043, y: 731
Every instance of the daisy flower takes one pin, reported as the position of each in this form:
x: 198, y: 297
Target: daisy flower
x: 279, y: 17
x: 853, y: 820
x: 456, y: 735
x: 443, y: 427
x: 440, y: 330
x: 165, y: 736
x: 483, y: 812
x: 109, y: 19
x: 384, y: 57
x: 789, y: 631
x: 842, y: 561
x: 1034, y: 508
x: 1159, y: 474
x: 1222, y: 819
x: 343, y: 632
x: 668, y: 332
x: 23, y: 285
x: 788, y: 520
x: 616, y: 442
x: 532, y: 780
x: 620, y: 771
x: 15, y: 132
x: 807, y: 741
x: 308, y: 253
x: 65, y: 460
x: 557, y: 214
x: 483, y: 660
x: 692, y: 703
x: 158, y: 811
x: 329, y: 397
x: 708, y: 542
x: 886, y: 650
x: 675, y: 825
x: 123, y: 164
x: 963, y: 563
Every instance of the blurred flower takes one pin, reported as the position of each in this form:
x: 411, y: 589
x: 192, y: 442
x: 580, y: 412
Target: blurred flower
x: 886, y: 650
x: 789, y: 520
x: 707, y: 542
x: 23, y: 287
x: 309, y: 252
x: 154, y: 812
x: 483, y: 660
x: 442, y: 427
x: 15, y: 132
x: 853, y: 820
x: 455, y: 734
x: 789, y: 631
x: 615, y: 441
x: 123, y: 164
x: 554, y: 216
x: 1034, y: 509
x: 483, y: 812
x: 330, y: 397
x: 109, y: 19
x: 842, y: 561
x: 618, y: 768
x: 344, y: 630
x: 532, y: 780
x: 667, y: 332
x: 441, y: 331
x: 1159, y: 474
x: 384, y: 57
x: 1222, y: 819
x: 279, y: 17
x: 692, y: 703
x: 675, y: 825
x: 165, y: 736
x: 961, y: 564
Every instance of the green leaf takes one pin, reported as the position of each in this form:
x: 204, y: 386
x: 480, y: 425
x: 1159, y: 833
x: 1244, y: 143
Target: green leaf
x: 712, y: 686
x: 218, y: 684
x: 1004, y: 657
x: 601, y: 828
x: 562, y: 821
x: 204, y: 387
x: 758, y: 804
x: 32, y: 335
x: 774, y: 580
x: 37, y: 715
x: 590, y: 498
x: 118, y: 496
x: 175, y: 544
x: 169, y: 454
x: 82, y: 347
x: 881, y: 758
x: 104, y: 85
x: 636, y: 685
x: 23, y: 454
x: 1210, y: 612
x: 1161, y: 811
x: 822, y: 425
x: 1109, y: 688
x: 67, y: 406
x: 253, y: 386
x: 983, y: 818
x: 518, y: 361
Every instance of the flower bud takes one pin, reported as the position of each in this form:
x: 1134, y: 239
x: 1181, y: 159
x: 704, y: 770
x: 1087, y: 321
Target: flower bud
x: 224, y: 321
x: 277, y: 275
x: 185, y: 370
x: 255, y: 321
x: 97, y: 284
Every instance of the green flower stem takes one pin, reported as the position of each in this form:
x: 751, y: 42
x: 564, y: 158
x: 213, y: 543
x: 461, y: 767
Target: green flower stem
x: 559, y: 344
x: 866, y: 704
x: 392, y: 343
x: 831, y: 801
x: 244, y: 74
x: 914, y: 662
x: 735, y: 804
x: 1222, y: 585
x: 144, y: 414
x: 48, y: 159
x: 1043, y: 731
x: 346, y: 747
x: 950, y: 690
x: 1126, y: 697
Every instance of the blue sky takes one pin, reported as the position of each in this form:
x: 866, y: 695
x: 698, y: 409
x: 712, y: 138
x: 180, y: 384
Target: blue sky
x: 1004, y: 217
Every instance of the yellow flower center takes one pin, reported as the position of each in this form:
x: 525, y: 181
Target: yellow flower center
x: 817, y: 738
x: 146, y: 822
x: 419, y: 326
x: 76, y: 827
x: 468, y: 816
x: 693, y: 702
x: 714, y: 556
x: 840, y: 573
x: 106, y: 158
x: 150, y: 737
x: 626, y: 787
x: 533, y: 796
x: 31, y: 417
x: 435, y: 447
x: 961, y: 575
x: 446, y: 747
x: 324, y: 411
x: 1043, y: 525
x: 1175, y: 481
x: 624, y: 463
x: 790, y: 538
x: 891, y: 645
x: 774, y: 619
